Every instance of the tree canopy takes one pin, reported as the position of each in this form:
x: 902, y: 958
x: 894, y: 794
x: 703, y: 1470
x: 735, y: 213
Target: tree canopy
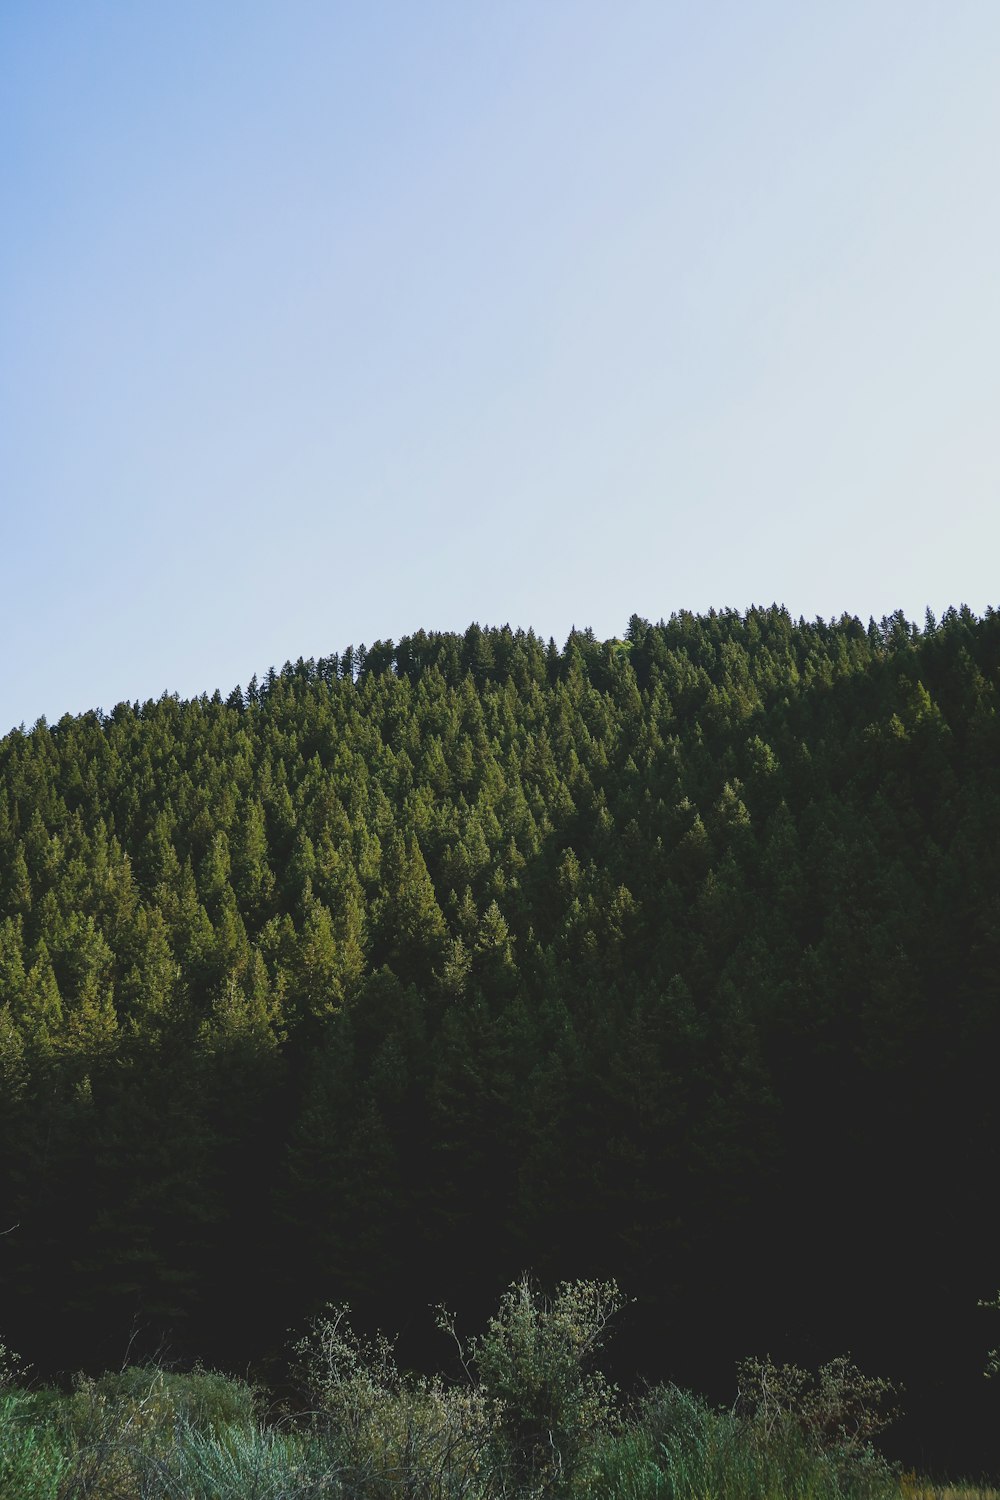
x: 671, y: 959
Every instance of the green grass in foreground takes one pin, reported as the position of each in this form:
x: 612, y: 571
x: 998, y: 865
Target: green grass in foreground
x: 529, y: 1418
x: 147, y: 1433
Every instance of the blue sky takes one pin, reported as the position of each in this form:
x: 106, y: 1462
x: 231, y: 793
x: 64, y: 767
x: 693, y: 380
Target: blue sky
x: 325, y: 322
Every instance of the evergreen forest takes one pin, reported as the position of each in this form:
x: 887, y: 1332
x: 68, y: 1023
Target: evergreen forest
x: 672, y: 961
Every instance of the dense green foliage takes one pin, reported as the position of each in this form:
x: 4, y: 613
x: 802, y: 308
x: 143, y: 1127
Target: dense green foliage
x: 672, y: 959
x: 528, y: 1418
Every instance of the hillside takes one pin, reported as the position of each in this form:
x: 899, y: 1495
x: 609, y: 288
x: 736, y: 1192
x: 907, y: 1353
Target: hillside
x: 672, y: 959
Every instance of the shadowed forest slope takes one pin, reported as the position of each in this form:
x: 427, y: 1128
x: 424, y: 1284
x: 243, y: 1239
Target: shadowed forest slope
x: 672, y: 959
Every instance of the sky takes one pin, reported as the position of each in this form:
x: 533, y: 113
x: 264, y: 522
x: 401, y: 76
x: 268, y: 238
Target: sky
x: 325, y: 322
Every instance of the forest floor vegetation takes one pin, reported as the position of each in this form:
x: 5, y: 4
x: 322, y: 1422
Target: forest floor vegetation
x: 529, y: 1416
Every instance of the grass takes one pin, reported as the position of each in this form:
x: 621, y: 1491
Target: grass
x: 148, y: 1434
x: 531, y: 1420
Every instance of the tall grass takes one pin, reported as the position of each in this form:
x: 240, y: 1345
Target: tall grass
x: 530, y: 1420
x: 32, y: 1460
x: 679, y: 1448
x: 154, y: 1435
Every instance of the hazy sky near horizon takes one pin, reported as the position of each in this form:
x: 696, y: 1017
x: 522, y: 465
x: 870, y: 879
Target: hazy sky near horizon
x: 324, y: 322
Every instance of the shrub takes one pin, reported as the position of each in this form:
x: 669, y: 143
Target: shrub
x: 525, y: 1422
x: 838, y: 1411
x: 388, y: 1435
x: 199, y: 1398
x: 546, y: 1408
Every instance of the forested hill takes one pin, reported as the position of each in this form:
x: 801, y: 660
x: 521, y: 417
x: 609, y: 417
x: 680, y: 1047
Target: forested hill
x: 673, y: 958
